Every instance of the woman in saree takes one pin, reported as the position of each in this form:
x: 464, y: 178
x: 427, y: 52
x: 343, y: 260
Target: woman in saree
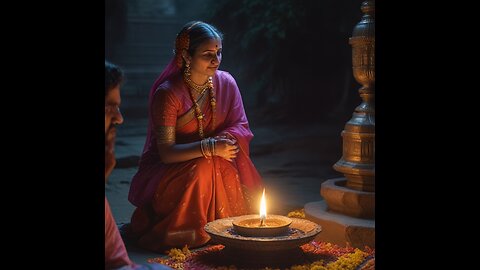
x: 195, y: 166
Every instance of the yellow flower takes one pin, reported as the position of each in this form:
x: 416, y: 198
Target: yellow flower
x: 186, y: 251
x: 349, y: 261
x: 299, y: 213
x: 176, y: 254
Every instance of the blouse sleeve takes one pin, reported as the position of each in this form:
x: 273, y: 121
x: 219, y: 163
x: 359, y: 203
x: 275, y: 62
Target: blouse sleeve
x: 165, y: 109
x: 164, y: 113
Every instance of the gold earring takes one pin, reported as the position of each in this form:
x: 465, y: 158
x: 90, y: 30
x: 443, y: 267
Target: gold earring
x: 187, y: 70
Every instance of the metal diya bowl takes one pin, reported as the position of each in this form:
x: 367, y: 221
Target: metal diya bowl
x: 300, y: 232
x: 250, y: 225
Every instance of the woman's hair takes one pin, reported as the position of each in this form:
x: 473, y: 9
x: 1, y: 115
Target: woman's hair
x: 113, y: 76
x: 192, y: 35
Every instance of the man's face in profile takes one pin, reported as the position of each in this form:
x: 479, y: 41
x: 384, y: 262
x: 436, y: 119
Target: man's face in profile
x: 113, y: 116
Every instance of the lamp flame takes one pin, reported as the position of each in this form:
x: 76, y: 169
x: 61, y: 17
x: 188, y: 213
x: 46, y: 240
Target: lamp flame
x: 263, y: 209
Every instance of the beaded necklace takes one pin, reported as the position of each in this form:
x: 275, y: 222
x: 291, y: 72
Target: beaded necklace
x: 200, y: 89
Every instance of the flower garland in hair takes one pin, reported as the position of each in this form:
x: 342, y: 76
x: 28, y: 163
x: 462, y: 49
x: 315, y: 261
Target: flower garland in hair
x: 182, y: 42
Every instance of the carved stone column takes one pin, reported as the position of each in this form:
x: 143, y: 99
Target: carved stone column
x: 347, y: 213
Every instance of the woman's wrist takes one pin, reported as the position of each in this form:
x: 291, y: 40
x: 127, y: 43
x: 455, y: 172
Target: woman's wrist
x: 207, y: 147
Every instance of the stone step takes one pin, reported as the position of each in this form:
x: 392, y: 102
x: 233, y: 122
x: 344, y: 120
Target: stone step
x: 152, y: 8
x: 146, y: 50
x: 144, y: 55
x: 139, y: 82
x: 141, y: 30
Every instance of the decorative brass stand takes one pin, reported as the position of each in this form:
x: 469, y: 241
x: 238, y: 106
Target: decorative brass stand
x: 358, y: 160
x: 349, y: 206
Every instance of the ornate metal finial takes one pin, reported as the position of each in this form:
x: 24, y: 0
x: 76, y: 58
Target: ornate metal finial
x: 358, y: 159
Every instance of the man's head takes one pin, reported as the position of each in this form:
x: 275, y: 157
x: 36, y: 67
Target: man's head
x: 113, y: 80
x: 113, y: 116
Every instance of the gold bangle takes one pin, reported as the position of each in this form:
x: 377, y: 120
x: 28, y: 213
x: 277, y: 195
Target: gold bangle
x: 202, y: 148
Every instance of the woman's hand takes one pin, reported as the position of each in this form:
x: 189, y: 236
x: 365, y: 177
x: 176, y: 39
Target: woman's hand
x: 226, y: 135
x: 110, y: 160
x: 226, y: 148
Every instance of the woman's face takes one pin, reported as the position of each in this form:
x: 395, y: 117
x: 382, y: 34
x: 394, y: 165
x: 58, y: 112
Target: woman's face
x: 207, y: 58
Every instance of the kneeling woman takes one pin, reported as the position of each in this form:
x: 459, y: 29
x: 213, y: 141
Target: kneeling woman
x: 195, y: 165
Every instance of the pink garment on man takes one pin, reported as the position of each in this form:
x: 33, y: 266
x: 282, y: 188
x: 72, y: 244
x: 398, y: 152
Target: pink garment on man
x: 115, y: 252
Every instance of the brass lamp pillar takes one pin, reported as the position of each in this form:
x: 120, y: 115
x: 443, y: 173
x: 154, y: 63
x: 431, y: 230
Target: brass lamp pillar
x: 347, y: 213
x: 358, y: 160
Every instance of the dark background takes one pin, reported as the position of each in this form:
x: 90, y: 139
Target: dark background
x: 291, y: 58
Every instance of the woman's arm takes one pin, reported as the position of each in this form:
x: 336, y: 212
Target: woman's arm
x: 170, y: 152
x: 164, y: 118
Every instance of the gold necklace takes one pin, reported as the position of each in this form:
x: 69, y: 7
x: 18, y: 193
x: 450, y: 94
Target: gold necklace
x: 197, y: 87
x: 198, y: 112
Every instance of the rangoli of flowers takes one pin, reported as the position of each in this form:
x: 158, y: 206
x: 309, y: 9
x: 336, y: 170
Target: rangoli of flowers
x: 325, y: 256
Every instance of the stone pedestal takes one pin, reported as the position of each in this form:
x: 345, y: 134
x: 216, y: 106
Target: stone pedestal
x: 350, y: 202
x: 339, y: 229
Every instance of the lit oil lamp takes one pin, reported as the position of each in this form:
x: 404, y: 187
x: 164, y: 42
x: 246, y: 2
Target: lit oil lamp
x: 261, y: 225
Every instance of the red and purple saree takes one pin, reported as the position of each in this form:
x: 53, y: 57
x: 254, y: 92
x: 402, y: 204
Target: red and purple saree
x: 175, y: 201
